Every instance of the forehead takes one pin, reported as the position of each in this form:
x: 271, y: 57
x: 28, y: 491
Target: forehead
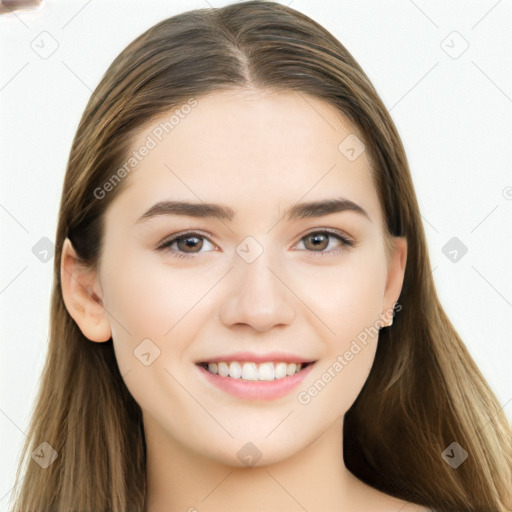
x: 251, y: 149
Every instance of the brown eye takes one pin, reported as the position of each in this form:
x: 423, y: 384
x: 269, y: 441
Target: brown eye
x: 185, y: 244
x: 319, y: 242
x: 189, y: 243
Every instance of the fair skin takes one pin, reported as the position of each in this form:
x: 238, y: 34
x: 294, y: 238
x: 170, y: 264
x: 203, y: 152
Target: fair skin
x: 258, y: 154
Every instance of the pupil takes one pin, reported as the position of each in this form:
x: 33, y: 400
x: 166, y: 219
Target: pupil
x: 191, y: 241
x: 317, y: 239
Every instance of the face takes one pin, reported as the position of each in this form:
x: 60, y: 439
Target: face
x: 257, y: 287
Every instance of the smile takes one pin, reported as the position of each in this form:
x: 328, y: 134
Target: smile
x: 255, y: 380
x: 251, y: 371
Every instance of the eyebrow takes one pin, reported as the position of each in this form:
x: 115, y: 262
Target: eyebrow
x: 223, y: 212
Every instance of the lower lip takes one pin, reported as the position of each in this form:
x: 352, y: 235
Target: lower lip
x: 256, y: 389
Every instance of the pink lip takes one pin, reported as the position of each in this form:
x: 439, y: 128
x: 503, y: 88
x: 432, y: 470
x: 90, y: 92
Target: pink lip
x: 273, y: 357
x: 258, y: 389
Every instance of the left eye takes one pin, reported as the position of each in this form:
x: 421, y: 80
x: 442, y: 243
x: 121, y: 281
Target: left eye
x: 187, y: 243
x: 320, y: 239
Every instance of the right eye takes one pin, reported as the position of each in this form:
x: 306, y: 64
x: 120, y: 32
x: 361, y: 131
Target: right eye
x: 185, y: 244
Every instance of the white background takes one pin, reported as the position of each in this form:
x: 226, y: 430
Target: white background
x: 453, y: 114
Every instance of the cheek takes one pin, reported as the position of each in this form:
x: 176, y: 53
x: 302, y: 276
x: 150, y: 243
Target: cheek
x: 148, y: 299
x: 348, y: 297
x: 350, y: 309
x: 149, y: 306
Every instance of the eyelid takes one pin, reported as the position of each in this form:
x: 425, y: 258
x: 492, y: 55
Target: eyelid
x: 332, y: 231
x: 345, y: 239
x: 167, y: 241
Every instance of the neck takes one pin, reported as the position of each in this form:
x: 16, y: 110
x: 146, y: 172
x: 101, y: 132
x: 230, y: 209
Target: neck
x: 313, y: 479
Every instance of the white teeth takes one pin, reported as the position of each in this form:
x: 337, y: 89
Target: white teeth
x: 252, y: 371
x: 266, y: 371
x: 235, y: 370
x: 223, y: 369
x: 280, y: 371
x: 249, y: 371
x: 290, y: 369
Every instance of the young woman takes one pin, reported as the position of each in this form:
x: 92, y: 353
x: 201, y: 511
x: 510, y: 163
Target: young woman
x: 243, y: 313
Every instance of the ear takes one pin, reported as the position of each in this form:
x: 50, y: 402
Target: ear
x: 397, y: 259
x: 82, y: 294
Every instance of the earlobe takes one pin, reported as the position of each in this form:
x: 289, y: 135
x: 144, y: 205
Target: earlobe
x: 395, y: 278
x: 82, y: 296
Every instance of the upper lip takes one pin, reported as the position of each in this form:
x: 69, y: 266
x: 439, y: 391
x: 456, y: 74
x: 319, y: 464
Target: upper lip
x: 276, y: 357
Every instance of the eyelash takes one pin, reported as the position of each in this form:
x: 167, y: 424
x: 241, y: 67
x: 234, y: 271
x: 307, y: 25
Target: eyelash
x: 165, y: 245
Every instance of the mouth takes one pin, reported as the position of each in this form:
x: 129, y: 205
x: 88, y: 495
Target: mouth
x: 253, y: 376
x: 253, y: 371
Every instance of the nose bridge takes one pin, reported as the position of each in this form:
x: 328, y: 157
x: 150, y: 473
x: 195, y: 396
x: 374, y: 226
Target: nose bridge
x: 257, y: 297
x: 257, y: 281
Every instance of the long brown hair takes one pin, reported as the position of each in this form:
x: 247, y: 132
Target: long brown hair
x: 424, y: 391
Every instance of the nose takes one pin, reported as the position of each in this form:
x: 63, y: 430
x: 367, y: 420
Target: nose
x: 257, y: 296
